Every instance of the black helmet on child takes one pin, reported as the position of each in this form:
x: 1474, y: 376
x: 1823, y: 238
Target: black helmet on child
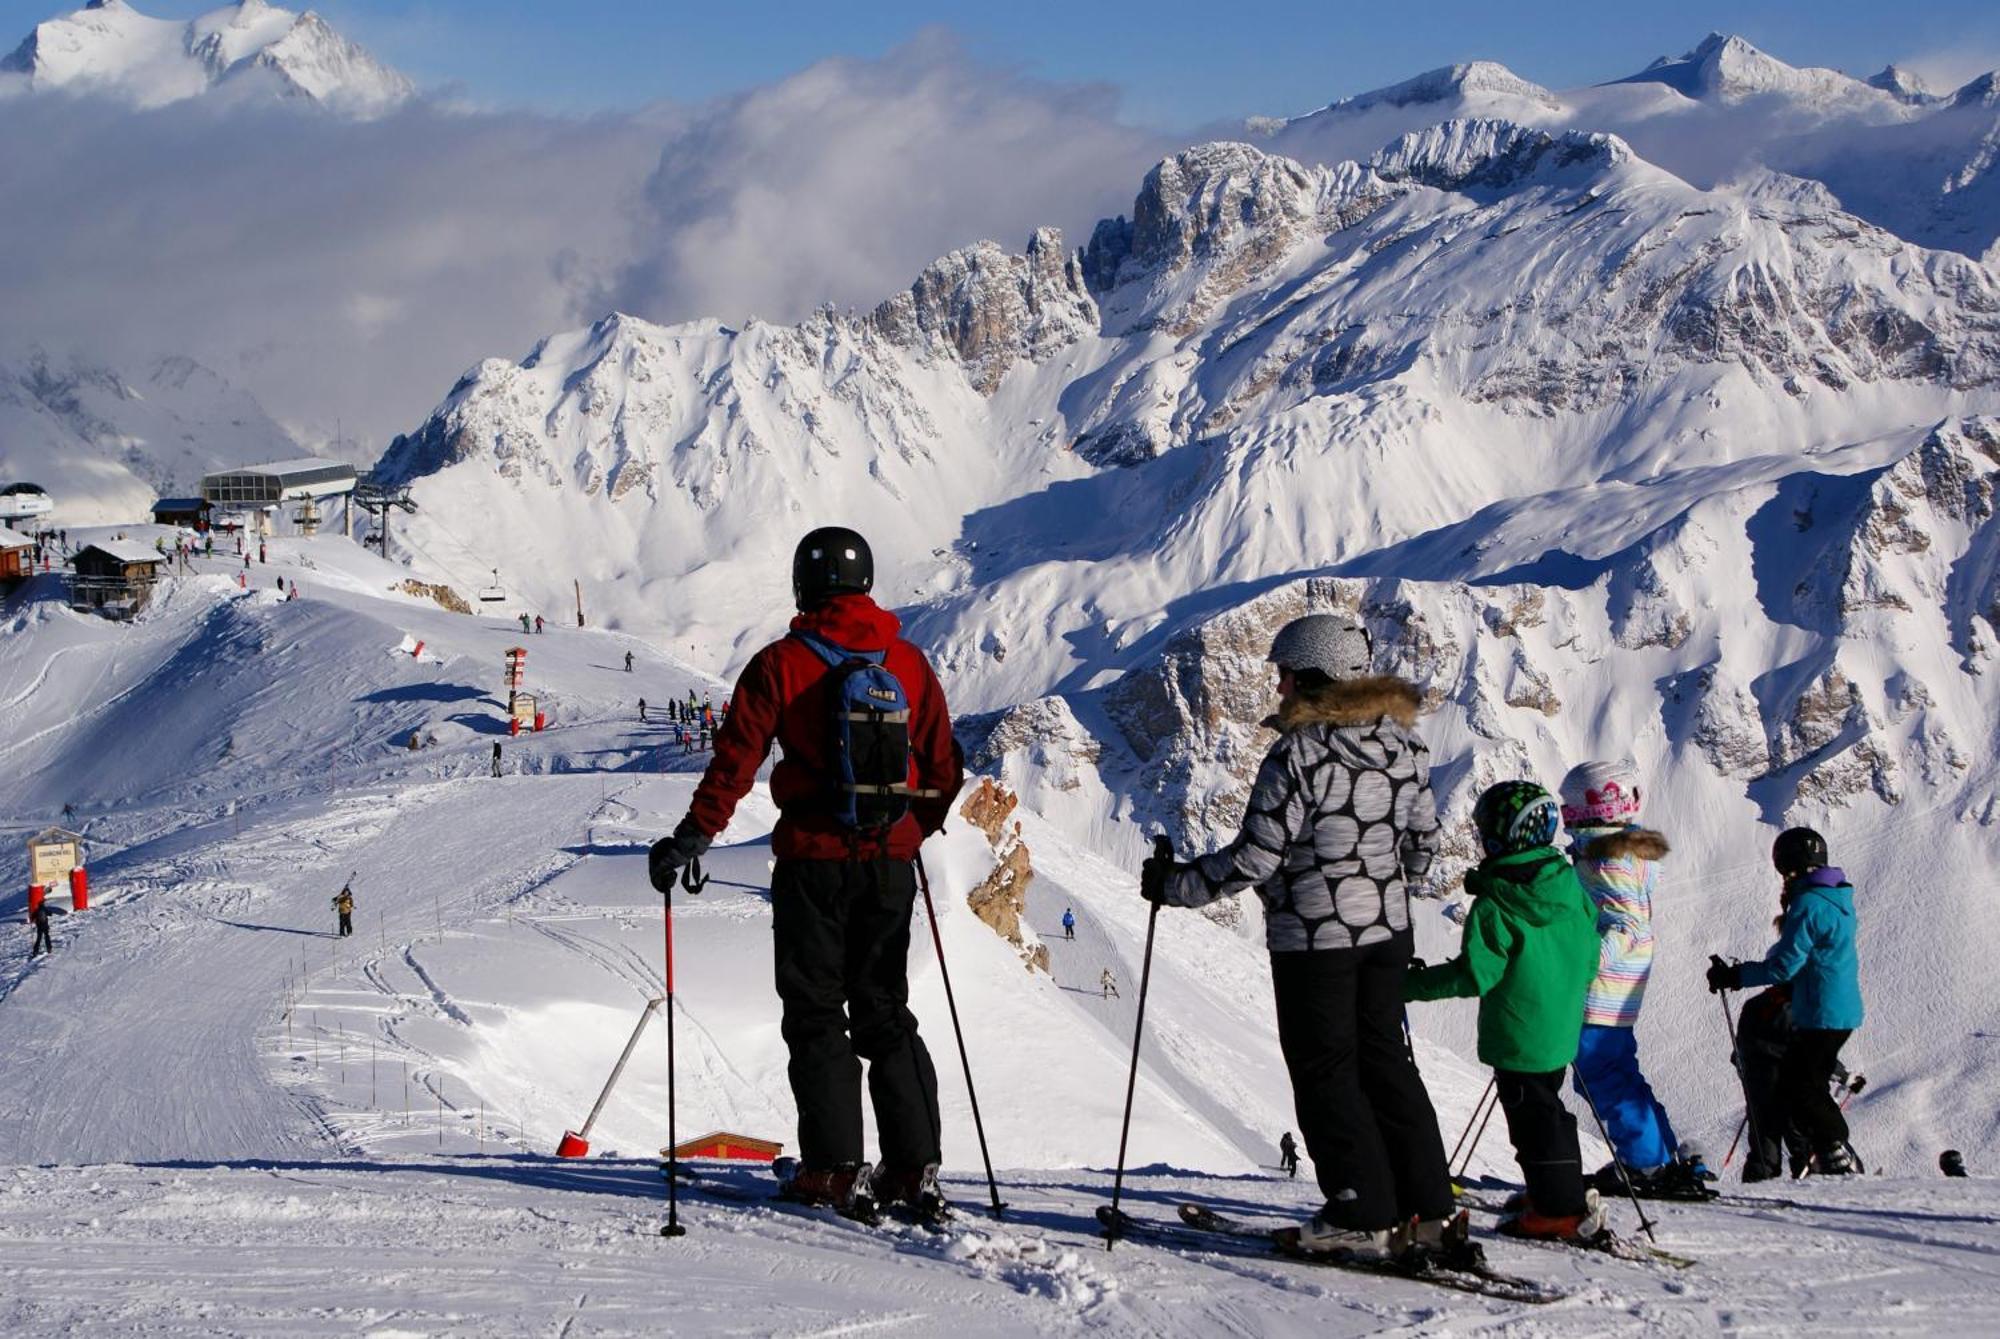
x: 1798, y: 851
x: 832, y: 560
x: 1516, y: 816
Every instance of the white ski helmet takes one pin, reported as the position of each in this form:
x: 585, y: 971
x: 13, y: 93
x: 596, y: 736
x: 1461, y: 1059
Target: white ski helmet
x: 1600, y: 794
x: 1333, y: 644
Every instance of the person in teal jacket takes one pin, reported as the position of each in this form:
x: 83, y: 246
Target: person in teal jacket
x: 1816, y: 954
x: 1530, y: 954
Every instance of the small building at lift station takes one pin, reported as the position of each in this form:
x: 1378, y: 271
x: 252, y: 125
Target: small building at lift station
x: 114, y: 576
x: 265, y: 489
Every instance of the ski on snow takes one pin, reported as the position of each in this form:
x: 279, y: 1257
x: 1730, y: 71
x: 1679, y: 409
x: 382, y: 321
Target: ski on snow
x: 1202, y: 1228
x: 1606, y: 1242
x: 889, y: 1217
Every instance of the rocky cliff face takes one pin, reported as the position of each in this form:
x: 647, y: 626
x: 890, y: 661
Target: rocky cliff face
x: 1001, y: 898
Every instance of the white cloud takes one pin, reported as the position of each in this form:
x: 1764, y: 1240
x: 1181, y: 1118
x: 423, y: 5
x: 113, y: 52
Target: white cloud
x: 352, y: 271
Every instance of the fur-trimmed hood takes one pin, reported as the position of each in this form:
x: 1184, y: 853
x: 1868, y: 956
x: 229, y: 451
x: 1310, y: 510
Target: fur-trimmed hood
x: 1635, y: 843
x: 1346, y: 702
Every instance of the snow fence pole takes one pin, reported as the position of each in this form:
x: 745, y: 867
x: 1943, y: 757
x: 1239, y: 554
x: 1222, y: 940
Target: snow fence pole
x: 1645, y: 1223
x: 1164, y: 850
x: 672, y: 1227
x: 978, y: 1126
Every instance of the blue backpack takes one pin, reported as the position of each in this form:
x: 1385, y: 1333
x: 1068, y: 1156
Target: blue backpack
x: 871, y: 737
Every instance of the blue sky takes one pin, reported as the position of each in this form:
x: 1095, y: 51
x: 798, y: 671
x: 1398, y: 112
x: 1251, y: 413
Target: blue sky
x: 1174, y: 63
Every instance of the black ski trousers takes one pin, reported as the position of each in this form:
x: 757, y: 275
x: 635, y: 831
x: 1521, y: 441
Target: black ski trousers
x: 346, y: 923
x: 1544, y: 1135
x: 842, y: 932
x: 1763, y: 1036
x: 1362, y: 1107
x: 43, y: 944
x: 1805, y: 1079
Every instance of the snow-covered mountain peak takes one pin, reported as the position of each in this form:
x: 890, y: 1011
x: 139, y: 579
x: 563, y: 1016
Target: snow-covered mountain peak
x: 108, y: 47
x: 1451, y: 82
x: 1725, y: 68
x: 1904, y: 85
x: 991, y: 309
x: 1453, y: 155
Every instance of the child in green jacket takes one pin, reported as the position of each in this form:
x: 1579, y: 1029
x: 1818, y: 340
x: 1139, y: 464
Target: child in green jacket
x: 1530, y: 953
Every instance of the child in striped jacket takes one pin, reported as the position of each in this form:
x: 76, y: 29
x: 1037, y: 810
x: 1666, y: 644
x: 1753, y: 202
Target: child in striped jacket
x: 1617, y: 861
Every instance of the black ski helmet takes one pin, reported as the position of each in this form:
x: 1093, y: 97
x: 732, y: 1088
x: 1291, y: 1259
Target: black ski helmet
x: 1515, y: 816
x: 832, y: 560
x: 1951, y: 1162
x: 1798, y: 851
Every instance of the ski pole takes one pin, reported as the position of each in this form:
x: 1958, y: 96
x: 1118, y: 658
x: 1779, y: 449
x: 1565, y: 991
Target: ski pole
x: 1735, y: 1063
x: 1645, y: 1223
x: 672, y: 1227
x: 1482, y: 1111
x: 1162, y: 850
x: 951, y: 1002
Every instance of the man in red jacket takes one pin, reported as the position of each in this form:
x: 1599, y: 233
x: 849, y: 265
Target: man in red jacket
x: 841, y: 896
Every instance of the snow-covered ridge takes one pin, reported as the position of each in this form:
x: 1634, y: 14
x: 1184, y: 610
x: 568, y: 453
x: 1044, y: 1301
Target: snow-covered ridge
x: 1727, y: 68
x: 108, y: 47
x: 1473, y: 78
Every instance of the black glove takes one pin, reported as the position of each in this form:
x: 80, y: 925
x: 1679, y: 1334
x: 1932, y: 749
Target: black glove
x: 1417, y: 965
x: 1723, y: 975
x: 669, y: 854
x: 1153, y: 875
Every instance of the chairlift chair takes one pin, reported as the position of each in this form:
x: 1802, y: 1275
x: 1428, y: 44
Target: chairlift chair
x: 495, y: 593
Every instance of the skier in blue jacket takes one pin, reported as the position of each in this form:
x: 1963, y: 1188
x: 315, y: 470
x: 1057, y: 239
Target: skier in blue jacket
x: 1815, y: 952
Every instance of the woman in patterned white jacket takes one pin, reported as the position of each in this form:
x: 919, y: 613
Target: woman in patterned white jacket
x: 1340, y: 819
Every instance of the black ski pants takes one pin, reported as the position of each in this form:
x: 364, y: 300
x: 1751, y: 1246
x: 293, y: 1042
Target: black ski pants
x: 1363, y: 1111
x: 1805, y: 1079
x: 346, y: 923
x: 1544, y: 1135
x: 43, y: 944
x: 1763, y: 1036
x: 842, y: 932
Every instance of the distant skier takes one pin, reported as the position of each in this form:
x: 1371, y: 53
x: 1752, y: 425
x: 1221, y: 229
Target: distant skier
x: 1069, y: 924
x: 1617, y: 861
x: 1108, y: 985
x: 538, y: 624
x: 1530, y: 953
x: 1288, y: 1155
x: 40, y: 916
x: 261, y: 556
x: 628, y: 662
x: 843, y: 886
x: 1340, y: 822
x: 642, y: 710
x: 496, y: 757
x: 1815, y: 952
x: 343, y: 902
x: 525, y: 625
x: 416, y: 740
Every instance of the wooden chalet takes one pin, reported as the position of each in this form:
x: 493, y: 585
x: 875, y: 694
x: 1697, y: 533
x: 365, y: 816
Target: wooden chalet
x: 114, y: 576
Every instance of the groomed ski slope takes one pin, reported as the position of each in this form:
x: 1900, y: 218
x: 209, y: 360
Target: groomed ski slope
x: 218, y: 1118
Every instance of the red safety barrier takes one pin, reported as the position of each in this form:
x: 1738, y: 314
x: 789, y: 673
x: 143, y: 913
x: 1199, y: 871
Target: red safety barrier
x: 79, y: 889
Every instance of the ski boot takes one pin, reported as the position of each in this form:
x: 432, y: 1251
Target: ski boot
x: 847, y: 1189
x: 914, y: 1194
x: 1838, y: 1160
x: 1577, y: 1228
x: 1316, y: 1236
x: 1442, y: 1243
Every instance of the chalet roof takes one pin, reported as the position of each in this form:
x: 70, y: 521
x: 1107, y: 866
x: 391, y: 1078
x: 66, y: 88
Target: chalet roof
x: 124, y: 551
x: 14, y: 539
x: 47, y: 835
x: 180, y: 504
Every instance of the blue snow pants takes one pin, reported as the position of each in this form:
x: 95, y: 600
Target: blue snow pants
x: 1607, y: 1064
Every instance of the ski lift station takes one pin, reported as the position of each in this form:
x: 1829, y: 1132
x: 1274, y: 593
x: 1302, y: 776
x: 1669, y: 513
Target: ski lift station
x: 265, y: 489
x: 24, y: 502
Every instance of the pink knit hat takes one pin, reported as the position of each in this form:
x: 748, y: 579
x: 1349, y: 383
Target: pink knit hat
x: 1600, y: 794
